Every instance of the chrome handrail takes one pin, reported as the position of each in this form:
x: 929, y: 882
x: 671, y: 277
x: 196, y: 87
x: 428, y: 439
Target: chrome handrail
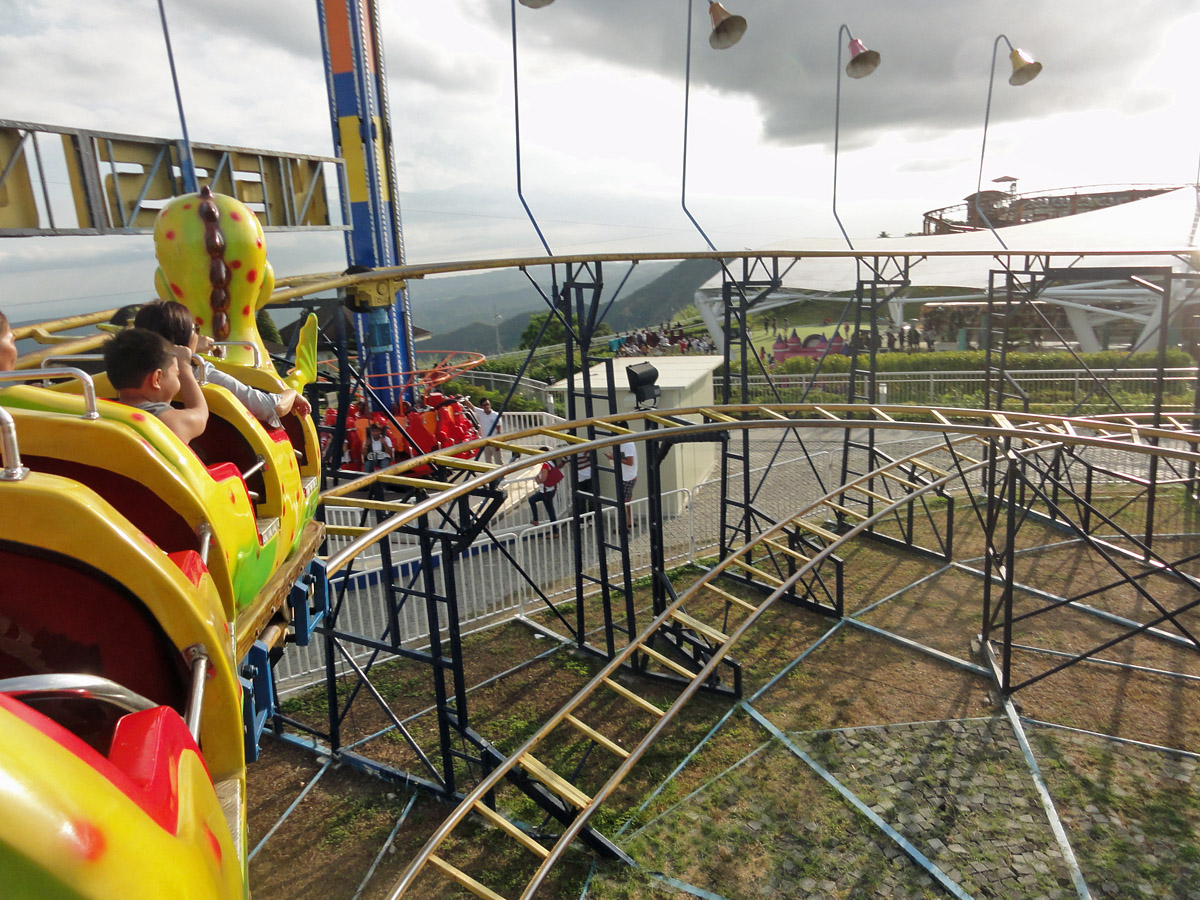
x: 89, y: 387
x: 13, y: 470
x: 69, y: 686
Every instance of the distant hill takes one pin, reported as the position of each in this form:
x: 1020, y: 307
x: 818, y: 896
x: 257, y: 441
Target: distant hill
x: 657, y: 301
x: 444, y: 305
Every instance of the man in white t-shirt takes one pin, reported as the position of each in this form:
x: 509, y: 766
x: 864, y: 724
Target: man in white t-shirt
x: 488, y: 427
x: 629, y: 474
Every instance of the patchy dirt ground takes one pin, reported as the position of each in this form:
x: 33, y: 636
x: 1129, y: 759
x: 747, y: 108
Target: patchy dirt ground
x: 918, y: 740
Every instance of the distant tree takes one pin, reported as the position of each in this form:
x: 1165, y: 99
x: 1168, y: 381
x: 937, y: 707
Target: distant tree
x: 554, y: 331
x: 884, y: 234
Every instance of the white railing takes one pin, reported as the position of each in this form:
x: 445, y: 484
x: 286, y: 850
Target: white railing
x: 502, y: 382
x: 488, y: 585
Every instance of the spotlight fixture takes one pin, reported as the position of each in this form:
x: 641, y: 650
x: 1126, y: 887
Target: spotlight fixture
x: 642, y: 384
x: 862, y: 63
x: 1025, y: 68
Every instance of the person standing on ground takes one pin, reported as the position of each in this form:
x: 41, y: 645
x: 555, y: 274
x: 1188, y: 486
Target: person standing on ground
x: 548, y: 478
x: 584, y: 496
x: 629, y: 474
x: 488, y: 427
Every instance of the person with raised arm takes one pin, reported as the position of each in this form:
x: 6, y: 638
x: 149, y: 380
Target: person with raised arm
x: 147, y: 371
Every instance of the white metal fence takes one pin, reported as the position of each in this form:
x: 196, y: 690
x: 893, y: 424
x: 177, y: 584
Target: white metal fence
x: 538, y: 391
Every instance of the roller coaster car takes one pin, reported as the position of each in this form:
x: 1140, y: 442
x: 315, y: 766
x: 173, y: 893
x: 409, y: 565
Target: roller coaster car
x: 139, y: 818
x: 96, y: 802
x: 86, y: 592
x: 255, y: 512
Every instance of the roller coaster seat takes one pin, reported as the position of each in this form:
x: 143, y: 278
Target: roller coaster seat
x: 86, y: 592
x: 167, y: 499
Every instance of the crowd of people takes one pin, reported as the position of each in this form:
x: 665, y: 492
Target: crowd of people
x: 668, y: 337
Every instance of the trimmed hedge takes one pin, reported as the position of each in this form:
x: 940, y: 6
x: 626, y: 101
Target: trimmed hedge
x: 974, y: 360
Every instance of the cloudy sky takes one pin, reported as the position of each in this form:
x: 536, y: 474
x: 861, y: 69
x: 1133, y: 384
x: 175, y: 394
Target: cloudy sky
x: 601, y: 100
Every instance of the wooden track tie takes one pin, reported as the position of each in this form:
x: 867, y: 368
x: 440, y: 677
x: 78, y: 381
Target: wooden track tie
x: 357, y: 503
x: 634, y: 698
x: 816, y: 529
x: 421, y: 484
x: 730, y: 598
x: 846, y: 511
x: 506, y: 447
x: 513, y: 831
x: 480, y: 890
x: 667, y: 661
x: 786, y: 551
x: 610, y: 746
x: 565, y: 436
x: 747, y: 567
x: 699, y: 627
x: 468, y: 465
x: 900, y: 479
x: 554, y: 781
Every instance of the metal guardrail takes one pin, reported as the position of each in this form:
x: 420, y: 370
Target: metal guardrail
x: 955, y: 388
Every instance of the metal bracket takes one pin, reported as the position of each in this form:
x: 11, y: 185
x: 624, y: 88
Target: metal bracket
x: 366, y: 295
x: 309, y: 601
x: 258, y: 696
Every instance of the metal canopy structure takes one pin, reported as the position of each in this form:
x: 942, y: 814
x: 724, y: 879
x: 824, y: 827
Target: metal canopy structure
x: 117, y: 183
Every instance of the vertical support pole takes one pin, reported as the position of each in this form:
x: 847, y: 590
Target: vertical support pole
x: 331, y: 680
x: 658, y: 563
x: 1164, y: 327
x: 357, y: 86
x: 1010, y: 539
x: 726, y: 394
x: 437, y: 658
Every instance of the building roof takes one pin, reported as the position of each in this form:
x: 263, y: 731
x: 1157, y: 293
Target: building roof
x: 674, y: 372
x: 1166, y: 222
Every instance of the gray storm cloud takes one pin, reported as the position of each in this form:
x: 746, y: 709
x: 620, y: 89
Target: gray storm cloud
x: 935, y: 56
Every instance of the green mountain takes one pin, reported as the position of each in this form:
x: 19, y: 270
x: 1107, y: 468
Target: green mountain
x: 654, y: 301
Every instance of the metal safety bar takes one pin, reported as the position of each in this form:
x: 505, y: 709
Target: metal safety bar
x: 13, y: 470
x: 89, y: 387
x: 197, y: 657
x: 69, y: 686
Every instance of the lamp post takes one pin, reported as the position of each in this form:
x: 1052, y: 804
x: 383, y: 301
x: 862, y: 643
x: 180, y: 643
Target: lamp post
x: 1025, y: 69
x: 727, y: 31
x: 862, y: 63
x: 532, y: 4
